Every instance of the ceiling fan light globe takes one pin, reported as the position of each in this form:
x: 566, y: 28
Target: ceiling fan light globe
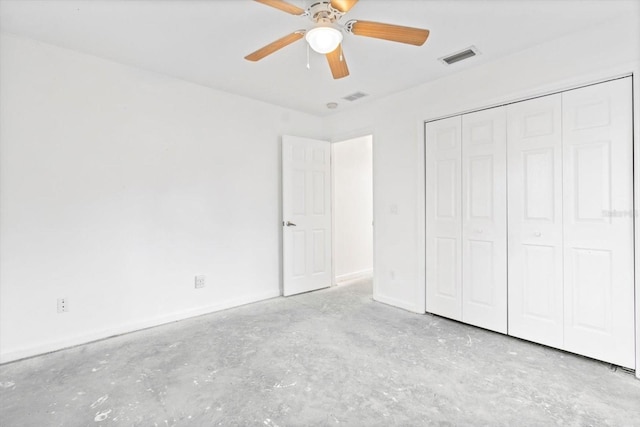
x: 324, y: 39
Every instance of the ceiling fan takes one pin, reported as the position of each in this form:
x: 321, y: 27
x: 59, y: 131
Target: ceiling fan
x: 326, y: 35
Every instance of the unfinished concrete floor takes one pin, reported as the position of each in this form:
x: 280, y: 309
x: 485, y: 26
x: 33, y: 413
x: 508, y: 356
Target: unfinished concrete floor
x: 331, y: 357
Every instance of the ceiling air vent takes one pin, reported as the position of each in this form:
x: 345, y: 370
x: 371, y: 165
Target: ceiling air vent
x: 354, y: 96
x: 460, y: 56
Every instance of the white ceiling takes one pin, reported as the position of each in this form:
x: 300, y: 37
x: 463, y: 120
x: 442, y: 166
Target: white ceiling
x: 205, y: 41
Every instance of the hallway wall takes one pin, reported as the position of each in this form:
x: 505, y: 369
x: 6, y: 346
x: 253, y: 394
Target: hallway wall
x: 353, y: 208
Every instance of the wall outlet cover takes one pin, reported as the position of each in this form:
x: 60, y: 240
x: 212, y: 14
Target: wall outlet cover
x: 200, y: 281
x: 63, y: 305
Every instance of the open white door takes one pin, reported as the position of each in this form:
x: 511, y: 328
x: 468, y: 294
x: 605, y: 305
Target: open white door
x: 306, y: 214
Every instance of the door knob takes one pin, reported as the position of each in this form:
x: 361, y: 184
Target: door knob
x: 290, y: 224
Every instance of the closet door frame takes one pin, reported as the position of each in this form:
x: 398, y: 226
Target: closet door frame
x: 524, y: 94
x: 636, y: 205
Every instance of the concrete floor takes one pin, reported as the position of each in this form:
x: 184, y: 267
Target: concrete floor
x: 331, y: 357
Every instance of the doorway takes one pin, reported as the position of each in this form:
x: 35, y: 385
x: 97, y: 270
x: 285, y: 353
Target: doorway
x: 352, y: 167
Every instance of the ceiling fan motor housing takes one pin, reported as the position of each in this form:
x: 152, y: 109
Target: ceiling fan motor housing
x: 322, y: 13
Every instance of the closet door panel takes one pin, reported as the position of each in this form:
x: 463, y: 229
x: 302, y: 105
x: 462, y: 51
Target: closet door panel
x: 598, y: 228
x: 443, y: 222
x: 535, y: 275
x: 484, y: 257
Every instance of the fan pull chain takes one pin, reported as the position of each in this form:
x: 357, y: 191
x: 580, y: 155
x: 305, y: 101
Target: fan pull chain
x: 341, y: 57
x: 308, y: 65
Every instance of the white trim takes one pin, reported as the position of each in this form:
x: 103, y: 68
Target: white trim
x: 280, y: 221
x: 334, y: 279
x: 347, y: 136
x: 398, y: 303
x: 527, y: 98
x: 356, y: 275
x: 376, y: 286
x: 421, y: 218
x: 636, y: 194
x: 625, y: 70
x: 52, y: 346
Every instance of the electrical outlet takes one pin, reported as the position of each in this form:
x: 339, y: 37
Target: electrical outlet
x: 63, y: 305
x: 200, y: 281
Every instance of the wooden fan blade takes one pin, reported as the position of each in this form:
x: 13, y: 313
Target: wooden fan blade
x: 394, y: 33
x: 337, y: 63
x: 276, y: 45
x: 343, y: 6
x: 283, y: 6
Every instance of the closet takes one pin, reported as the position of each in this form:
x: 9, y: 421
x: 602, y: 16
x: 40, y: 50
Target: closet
x: 529, y: 220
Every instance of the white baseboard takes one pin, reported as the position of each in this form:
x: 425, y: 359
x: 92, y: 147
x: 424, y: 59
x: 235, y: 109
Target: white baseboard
x: 397, y: 303
x: 49, y: 347
x: 356, y: 275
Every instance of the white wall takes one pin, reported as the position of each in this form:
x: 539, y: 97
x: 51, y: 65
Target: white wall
x: 118, y: 186
x: 353, y: 208
x: 396, y: 123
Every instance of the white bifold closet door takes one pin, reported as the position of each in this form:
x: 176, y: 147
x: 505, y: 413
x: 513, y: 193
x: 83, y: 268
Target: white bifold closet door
x: 535, y: 220
x: 563, y: 164
x: 466, y: 219
x: 444, y: 218
x: 570, y: 180
x: 484, y: 219
x: 598, y: 222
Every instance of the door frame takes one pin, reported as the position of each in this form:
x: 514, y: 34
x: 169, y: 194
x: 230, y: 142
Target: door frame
x: 636, y: 203
x: 333, y: 204
x: 633, y: 71
x: 337, y: 139
x: 346, y: 137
